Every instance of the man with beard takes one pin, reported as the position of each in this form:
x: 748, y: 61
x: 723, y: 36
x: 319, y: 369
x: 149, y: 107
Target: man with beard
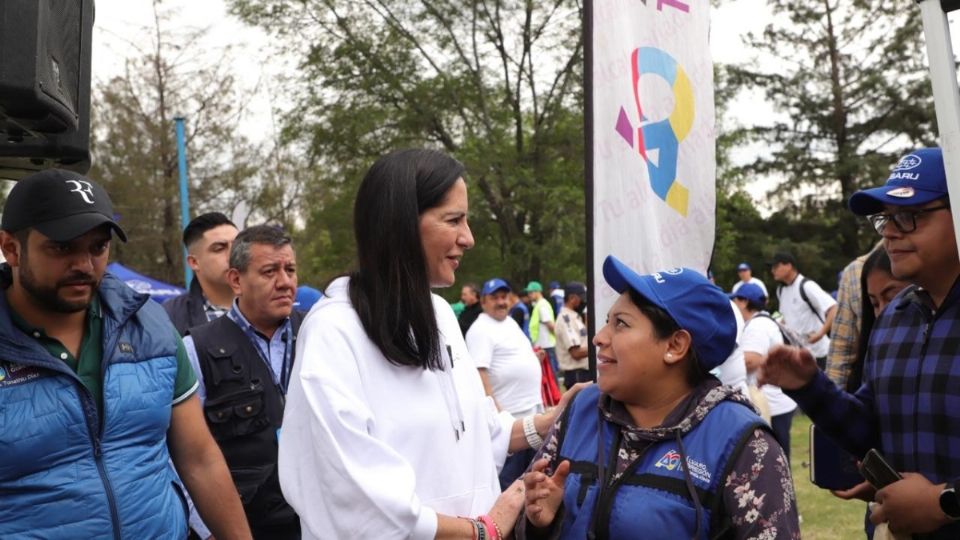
x: 96, y: 389
x: 207, y: 238
x: 572, y: 336
x: 243, y: 361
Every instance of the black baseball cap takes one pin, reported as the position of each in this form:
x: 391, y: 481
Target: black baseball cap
x: 61, y: 204
x: 575, y: 287
x: 782, y: 257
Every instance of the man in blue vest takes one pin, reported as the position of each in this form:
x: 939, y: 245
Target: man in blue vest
x: 243, y: 361
x: 96, y: 389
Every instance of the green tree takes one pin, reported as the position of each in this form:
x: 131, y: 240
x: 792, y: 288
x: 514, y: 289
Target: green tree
x: 496, y: 84
x: 134, y: 150
x: 848, y: 82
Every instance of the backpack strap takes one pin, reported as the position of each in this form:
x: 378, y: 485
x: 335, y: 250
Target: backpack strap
x: 803, y: 295
x: 787, y: 340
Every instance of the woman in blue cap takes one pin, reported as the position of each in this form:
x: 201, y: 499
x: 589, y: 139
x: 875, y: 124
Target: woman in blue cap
x: 659, y: 448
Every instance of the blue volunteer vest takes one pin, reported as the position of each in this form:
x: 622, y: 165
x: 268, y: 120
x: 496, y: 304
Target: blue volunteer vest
x: 64, y: 471
x: 651, y: 501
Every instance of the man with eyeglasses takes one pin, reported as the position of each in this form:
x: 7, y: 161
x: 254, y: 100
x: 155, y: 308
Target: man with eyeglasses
x: 908, y: 407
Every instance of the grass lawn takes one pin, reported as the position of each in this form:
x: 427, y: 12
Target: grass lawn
x: 823, y: 516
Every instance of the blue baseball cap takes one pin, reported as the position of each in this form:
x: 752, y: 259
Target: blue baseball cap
x: 493, y: 285
x: 743, y: 266
x: 918, y: 178
x: 306, y: 297
x: 751, y: 292
x: 695, y: 304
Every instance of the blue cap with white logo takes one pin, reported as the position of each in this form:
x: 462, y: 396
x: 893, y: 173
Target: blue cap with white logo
x: 743, y: 266
x: 918, y: 178
x: 493, y: 285
x: 751, y: 292
x: 695, y: 304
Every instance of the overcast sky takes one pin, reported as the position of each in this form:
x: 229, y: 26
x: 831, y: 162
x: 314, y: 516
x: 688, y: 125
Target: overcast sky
x: 119, y: 22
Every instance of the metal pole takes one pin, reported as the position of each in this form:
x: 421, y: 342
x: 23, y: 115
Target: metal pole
x: 184, y: 193
x: 946, y: 96
x: 593, y: 291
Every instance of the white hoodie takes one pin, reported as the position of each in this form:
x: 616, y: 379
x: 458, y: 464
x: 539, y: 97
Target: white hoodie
x: 369, y: 449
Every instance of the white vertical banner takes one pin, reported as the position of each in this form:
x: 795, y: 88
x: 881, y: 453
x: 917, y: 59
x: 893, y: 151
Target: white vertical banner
x: 653, y: 154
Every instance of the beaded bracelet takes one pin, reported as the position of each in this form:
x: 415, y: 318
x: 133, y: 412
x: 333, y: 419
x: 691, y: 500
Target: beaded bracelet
x: 530, y: 432
x: 490, y: 524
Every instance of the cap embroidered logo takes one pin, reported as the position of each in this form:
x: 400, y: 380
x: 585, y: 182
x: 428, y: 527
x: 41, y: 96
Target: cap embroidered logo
x: 83, y: 188
x: 909, y: 161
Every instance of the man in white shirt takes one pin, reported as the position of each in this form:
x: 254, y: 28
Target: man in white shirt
x: 806, y: 308
x: 745, y: 273
x: 508, y: 367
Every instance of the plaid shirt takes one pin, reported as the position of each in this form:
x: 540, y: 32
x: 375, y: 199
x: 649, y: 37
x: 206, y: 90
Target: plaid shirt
x: 909, y: 405
x: 846, y: 325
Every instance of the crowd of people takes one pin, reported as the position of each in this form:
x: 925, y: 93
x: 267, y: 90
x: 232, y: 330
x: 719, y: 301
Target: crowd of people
x: 385, y: 413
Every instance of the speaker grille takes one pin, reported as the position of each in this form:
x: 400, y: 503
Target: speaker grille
x: 41, y: 52
x: 60, y: 51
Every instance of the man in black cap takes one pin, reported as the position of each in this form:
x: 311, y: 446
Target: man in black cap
x: 806, y: 308
x: 96, y: 388
x: 572, y: 336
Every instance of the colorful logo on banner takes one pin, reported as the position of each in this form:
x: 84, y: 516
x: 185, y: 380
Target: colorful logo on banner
x: 659, y: 142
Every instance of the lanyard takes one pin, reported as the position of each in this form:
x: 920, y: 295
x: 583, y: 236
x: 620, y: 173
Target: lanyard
x: 262, y: 345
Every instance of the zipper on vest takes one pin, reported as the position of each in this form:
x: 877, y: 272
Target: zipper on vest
x: 109, y: 489
x: 86, y: 401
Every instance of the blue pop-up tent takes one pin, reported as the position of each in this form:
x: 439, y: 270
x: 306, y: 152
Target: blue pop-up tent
x: 157, y: 290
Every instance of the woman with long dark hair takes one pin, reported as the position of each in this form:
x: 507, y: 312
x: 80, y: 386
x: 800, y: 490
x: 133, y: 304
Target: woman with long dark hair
x: 387, y: 431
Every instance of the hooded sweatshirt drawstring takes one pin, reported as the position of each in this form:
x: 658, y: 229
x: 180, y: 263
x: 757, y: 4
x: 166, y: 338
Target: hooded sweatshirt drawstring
x: 450, y: 396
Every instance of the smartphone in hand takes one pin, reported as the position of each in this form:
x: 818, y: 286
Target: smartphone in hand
x: 877, y: 471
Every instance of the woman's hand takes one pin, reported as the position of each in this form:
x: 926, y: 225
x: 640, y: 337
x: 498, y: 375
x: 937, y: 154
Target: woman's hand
x: 507, y: 508
x: 544, y: 493
x: 544, y: 421
x: 568, y: 395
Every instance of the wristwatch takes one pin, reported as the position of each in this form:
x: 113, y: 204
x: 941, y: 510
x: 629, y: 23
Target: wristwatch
x: 950, y: 501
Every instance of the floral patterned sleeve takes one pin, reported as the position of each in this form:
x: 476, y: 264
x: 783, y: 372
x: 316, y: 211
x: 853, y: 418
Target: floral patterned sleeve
x: 758, y: 493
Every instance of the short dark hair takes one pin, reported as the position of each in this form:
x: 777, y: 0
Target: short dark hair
x: 258, y: 234
x: 390, y: 289
x: 473, y: 288
x: 201, y: 224
x: 663, y: 327
x: 752, y: 306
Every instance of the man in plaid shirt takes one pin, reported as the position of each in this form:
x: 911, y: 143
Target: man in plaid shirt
x: 908, y: 407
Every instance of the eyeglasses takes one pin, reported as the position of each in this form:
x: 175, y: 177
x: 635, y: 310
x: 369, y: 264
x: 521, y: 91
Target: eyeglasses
x: 905, y: 220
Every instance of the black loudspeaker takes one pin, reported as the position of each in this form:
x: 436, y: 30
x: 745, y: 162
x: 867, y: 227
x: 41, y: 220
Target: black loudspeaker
x: 45, y: 52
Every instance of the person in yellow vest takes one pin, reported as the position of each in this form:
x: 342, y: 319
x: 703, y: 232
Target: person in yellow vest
x: 542, y: 323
